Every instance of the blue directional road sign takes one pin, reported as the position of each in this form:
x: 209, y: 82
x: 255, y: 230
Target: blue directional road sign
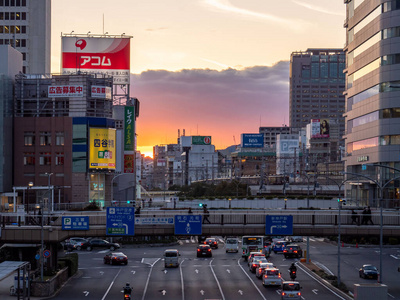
x: 75, y: 223
x: 279, y: 225
x: 120, y: 221
x: 188, y: 225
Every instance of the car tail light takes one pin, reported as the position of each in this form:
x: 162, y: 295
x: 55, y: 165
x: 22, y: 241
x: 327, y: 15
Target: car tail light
x: 254, y: 265
x: 279, y: 276
x: 208, y: 250
x: 295, y: 251
x: 283, y: 293
x: 198, y: 250
x: 284, y: 250
x: 298, y: 294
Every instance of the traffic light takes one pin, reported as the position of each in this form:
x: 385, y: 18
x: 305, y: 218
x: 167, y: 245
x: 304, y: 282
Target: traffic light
x: 201, y: 204
x: 342, y: 201
x: 128, y: 201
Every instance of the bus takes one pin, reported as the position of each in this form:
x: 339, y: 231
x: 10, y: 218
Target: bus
x: 252, y: 243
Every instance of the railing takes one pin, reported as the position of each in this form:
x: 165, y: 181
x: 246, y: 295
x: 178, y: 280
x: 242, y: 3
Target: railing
x: 234, y: 217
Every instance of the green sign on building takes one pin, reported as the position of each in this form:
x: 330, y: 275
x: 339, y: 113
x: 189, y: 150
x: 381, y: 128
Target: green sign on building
x: 129, y: 138
x: 201, y: 140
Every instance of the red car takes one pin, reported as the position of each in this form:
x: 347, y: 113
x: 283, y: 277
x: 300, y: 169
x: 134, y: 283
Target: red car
x: 114, y: 258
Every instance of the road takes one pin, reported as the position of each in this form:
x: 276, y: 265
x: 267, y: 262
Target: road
x: 224, y: 276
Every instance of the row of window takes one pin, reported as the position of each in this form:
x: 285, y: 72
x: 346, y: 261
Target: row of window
x: 45, y: 158
x: 44, y: 138
x: 18, y: 43
x: 383, y: 140
x: 13, y: 29
x: 12, y: 16
x: 390, y: 86
x: 323, y: 80
x: 12, y: 2
x: 321, y: 86
x: 387, y: 113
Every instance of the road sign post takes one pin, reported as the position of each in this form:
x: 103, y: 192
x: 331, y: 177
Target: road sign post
x: 278, y: 225
x: 188, y: 225
x: 120, y: 221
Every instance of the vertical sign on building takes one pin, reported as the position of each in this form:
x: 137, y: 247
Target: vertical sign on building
x: 129, y: 139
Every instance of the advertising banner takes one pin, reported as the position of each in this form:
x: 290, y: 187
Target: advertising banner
x: 103, y: 92
x: 107, y: 55
x: 102, y: 148
x: 128, y: 163
x: 319, y: 128
x: 57, y: 91
x: 129, y: 138
x: 252, y: 140
x: 201, y: 140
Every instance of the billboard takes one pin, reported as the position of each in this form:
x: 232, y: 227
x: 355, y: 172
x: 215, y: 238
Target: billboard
x: 102, y: 148
x: 129, y: 163
x: 319, y: 128
x: 201, y: 140
x: 107, y: 55
x: 252, y: 140
x: 103, y: 92
x: 57, y: 91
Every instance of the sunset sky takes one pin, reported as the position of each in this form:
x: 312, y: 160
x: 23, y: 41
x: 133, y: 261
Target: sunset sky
x: 211, y: 67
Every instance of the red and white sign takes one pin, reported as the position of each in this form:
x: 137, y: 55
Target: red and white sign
x: 55, y: 91
x: 104, y: 55
x: 103, y: 92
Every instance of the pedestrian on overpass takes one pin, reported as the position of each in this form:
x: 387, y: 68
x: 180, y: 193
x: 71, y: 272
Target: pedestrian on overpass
x: 206, y: 214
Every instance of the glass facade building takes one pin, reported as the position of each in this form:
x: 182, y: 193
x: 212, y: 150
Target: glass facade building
x: 372, y: 134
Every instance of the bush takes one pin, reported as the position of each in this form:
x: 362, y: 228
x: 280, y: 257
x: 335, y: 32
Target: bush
x: 393, y: 241
x: 71, y: 261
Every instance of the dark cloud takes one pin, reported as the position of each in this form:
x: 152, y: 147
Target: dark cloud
x: 210, y: 102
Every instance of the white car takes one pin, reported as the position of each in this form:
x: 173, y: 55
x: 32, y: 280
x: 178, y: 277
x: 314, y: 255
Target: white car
x: 272, y: 277
x: 256, y: 263
x: 232, y: 245
x: 262, y: 267
x: 297, y: 239
x: 252, y: 255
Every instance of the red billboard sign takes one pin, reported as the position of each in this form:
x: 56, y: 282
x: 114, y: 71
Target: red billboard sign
x: 107, y: 55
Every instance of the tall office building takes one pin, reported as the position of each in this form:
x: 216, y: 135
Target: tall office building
x: 317, y: 83
x: 373, y: 110
x: 26, y: 26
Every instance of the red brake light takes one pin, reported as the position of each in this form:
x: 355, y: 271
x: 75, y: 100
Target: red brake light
x: 208, y: 249
x: 198, y: 250
x: 295, y: 251
x: 298, y: 293
x: 283, y: 293
x: 279, y: 275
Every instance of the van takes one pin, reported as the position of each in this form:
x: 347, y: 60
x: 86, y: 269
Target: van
x: 171, y: 258
x: 232, y: 245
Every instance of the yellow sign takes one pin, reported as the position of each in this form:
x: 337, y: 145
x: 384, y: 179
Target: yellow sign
x: 102, y: 148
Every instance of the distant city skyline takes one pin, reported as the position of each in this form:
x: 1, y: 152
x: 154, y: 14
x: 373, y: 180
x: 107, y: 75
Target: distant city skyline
x: 211, y: 67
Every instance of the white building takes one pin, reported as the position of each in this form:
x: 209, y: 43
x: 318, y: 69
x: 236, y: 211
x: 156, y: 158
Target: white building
x: 26, y: 26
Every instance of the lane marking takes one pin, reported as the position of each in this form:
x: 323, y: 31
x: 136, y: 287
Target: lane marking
x: 216, y: 279
x: 250, y: 279
x: 182, y: 286
x: 111, y: 284
x: 148, y: 277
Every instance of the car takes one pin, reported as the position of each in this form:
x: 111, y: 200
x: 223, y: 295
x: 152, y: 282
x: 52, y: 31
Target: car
x: 256, y: 263
x: 290, y: 290
x: 171, y: 258
x: 252, y: 255
x: 204, y: 251
x: 293, y: 250
x: 74, y: 243
x: 369, y: 272
x: 279, y: 246
x: 294, y: 239
x: 212, y: 242
x: 114, y: 258
x: 272, y: 277
x: 261, y: 269
x: 232, y: 245
x: 99, y: 243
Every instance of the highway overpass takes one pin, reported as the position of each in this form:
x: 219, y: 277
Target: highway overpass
x: 15, y: 229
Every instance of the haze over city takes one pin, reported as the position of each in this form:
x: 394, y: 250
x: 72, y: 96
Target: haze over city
x: 211, y: 67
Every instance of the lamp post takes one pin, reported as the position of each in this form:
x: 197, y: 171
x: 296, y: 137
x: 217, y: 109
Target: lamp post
x: 30, y: 184
x: 230, y: 201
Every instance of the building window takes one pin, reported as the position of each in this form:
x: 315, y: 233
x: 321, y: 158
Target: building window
x: 59, y: 158
x: 45, y: 138
x: 29, y: 158
x: 60, y: 138
x: 45, y: 158
x: 29, y: 138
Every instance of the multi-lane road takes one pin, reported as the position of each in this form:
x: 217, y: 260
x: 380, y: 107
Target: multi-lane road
x: 224, y: 276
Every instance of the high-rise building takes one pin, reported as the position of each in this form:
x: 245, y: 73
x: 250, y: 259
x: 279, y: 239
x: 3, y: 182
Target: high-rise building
x: 372, y: 106
x: 26, y: 26
x: 317, y: 84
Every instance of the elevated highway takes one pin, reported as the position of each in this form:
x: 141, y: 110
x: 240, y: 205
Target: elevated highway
x: 15, y: 229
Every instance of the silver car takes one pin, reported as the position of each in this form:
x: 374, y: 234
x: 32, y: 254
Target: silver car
x: 291, y: 290
x: 272, y: 277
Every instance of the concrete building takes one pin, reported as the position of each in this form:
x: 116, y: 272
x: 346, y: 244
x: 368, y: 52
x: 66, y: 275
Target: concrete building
x: 26, y: 26
x: 270, y: 134
x: 317, y: 83
x: 372, y: 107
x: 10, y: 65
x: 53, y: 121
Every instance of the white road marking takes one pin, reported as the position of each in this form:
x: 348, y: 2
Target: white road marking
x: 216, y: 279
x: 394, y: 256
x: 148, y: 276
x: 180, y: 271
x: 250, y: 279
x: 111, y: 284
x: 86, y: 293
